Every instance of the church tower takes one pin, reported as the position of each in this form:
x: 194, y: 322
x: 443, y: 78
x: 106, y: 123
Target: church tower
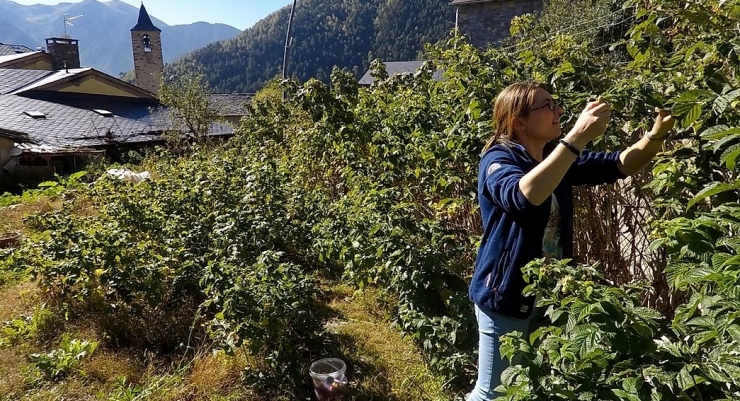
x: 147, y: 44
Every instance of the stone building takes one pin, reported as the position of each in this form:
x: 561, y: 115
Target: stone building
x: 146, y: 40
x: 56, y: 116
x: 487, y: 22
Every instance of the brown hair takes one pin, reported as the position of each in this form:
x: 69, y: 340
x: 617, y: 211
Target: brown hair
x: 513, y: 102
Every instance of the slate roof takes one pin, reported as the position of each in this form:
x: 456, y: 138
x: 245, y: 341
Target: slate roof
x: 6, y: 49
x: 16, y: 56
x: 397, y: 67
x: 51, y: 78
x: 48, y: 81
x: 145, y: 23
x: 12, y: 79
x: 231, y: 104
x: 74, y: 124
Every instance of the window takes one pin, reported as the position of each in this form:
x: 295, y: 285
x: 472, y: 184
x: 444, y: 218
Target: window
x: 35, y: 114
x: 147, y: 43
x: 104, y: 113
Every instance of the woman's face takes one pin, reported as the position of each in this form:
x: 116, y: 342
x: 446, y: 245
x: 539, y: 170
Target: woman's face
x: 543, y: 121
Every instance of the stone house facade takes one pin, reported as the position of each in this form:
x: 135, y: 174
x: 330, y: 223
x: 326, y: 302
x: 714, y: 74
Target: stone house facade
x: 487, y: 22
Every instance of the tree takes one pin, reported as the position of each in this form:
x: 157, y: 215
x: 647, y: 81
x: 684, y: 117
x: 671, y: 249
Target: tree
x: 189, y: 113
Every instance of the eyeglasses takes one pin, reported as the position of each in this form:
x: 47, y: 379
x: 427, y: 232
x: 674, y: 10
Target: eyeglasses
x: 550, y: 104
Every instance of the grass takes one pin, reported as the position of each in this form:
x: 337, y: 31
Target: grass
x: 11, y: 216
x: 381, y: 363
x: 12, y: 221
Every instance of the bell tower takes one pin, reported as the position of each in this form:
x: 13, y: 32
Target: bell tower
x: 147, y: 45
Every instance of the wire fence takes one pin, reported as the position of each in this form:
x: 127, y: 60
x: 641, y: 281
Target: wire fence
x: 612, y: 221
x: 570, y: 30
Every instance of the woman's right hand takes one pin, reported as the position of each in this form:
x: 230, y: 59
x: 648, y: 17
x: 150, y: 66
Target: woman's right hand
x: 592, y: 122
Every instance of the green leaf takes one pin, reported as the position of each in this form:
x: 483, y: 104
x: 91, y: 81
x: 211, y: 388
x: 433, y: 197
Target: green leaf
x: 509, y: 375
x: 643, y: 329
x: 668, y: 346
x: 732, y: 243
x: 587, y: 310
x: 711, y: 190
x: 565, y: 68
x: 682, y: 109
x: 568, y: 394
x: 623, y: 395
x: 48, y: 184
x: 724, y: 101
x: 718, y: 259
x: 695, y: 96
x: 692, y: 116
x: 76, y: 176
x: 647, y: 313
x: 720, y: 143
x: 631, y: 385
x: 734, y: 331
x: 711, y: 131
x: 730, y: 155
x: 684, y: 379
x: 715, y: 374
x: 586, y: 338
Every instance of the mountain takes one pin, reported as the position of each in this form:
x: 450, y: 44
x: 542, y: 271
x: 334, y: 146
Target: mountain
x: 346, y: 33
x: 103, y: 31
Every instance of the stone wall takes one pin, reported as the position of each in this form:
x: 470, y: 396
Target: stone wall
x: 148, y: 66
x: 488, y: 23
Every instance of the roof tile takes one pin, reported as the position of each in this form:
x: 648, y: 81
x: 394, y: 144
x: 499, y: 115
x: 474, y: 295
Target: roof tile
x: 75, y: 124
x: 12, y: 79
x: 230, y: 104
x: 6, y: 49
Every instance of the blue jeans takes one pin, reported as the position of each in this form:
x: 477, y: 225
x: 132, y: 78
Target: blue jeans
x: 491, y: 364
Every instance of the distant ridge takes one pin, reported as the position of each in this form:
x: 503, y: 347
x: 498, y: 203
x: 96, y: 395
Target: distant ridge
x: 103, y: 31
x: 346, y: 33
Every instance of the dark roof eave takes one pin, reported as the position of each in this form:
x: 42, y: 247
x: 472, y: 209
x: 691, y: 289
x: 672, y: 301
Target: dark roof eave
x: 139, y: 29
x: 15, y: 136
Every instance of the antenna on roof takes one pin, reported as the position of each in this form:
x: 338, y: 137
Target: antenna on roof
x: 68, y: 21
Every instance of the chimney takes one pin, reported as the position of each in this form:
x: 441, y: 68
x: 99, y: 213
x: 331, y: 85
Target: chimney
x: 65, y: 53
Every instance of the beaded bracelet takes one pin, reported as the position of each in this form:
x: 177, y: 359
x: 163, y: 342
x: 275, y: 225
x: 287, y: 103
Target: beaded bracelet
x: 570, y: 147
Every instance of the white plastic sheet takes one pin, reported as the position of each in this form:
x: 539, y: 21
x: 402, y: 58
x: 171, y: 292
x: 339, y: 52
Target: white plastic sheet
x: 128, y: 175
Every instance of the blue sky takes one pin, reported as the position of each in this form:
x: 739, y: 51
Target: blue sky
x: 240, y: 14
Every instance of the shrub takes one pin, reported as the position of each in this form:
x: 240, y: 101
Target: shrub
x: 64, y: 360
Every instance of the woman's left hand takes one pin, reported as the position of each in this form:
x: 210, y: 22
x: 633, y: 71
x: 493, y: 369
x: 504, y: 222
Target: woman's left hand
x: 664, y: 123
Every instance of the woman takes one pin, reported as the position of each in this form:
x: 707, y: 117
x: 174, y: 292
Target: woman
x: 526, y: 201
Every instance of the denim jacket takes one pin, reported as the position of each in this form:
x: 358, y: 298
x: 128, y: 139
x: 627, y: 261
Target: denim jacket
x: 513, y: 228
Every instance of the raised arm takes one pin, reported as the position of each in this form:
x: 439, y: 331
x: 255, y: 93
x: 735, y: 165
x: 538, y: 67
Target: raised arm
x: 636, y: 157
x: 538, y: 184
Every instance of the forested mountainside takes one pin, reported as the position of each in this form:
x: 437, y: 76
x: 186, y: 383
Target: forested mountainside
x: 103, y: 31
x: 345, y: 33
